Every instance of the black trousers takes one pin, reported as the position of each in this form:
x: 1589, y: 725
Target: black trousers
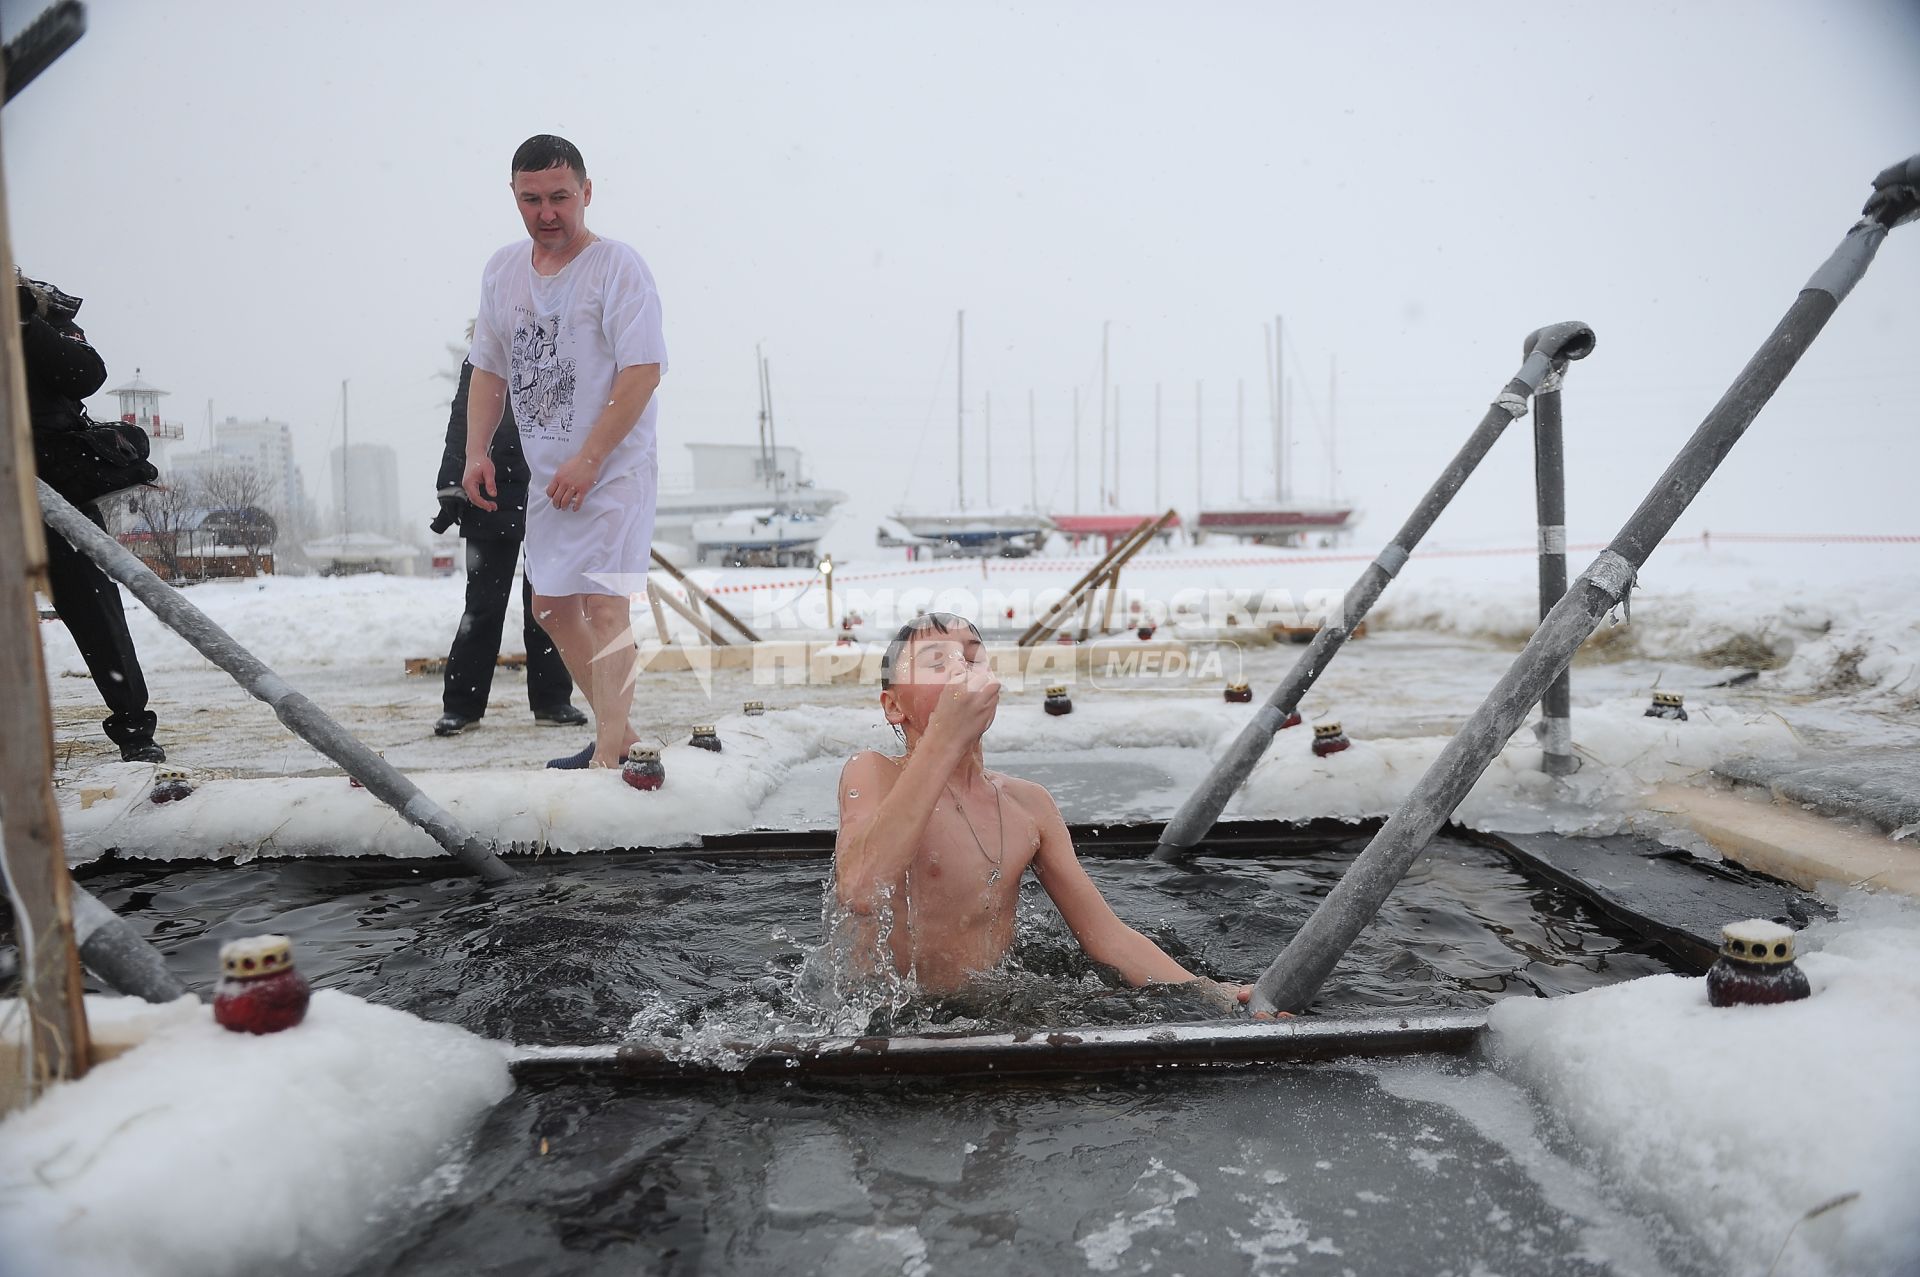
x: 476, y: 646
x: 88, y: 602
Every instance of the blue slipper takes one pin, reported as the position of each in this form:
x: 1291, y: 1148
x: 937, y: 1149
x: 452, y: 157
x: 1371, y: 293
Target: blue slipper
x: 573, y: 762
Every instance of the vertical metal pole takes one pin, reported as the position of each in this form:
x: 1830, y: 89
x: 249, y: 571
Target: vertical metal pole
x: 1076, y: 450
x: 1550, y: 501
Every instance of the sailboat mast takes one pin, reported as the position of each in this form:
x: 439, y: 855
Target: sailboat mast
x: 346, y: 471
x: 1100, y: 489
x: 760, y: 384
x: 1199, y: 457
x: 1156, y: 445
x: 1240, y: 439
x: 1076, y: 450
x: 1333, y: 425
x: 773, y: 438
x: 1279, y: 413
x: 960, y: 411
x: 1286, y: 417
x: 1033, y: 458
x: 986, y: 434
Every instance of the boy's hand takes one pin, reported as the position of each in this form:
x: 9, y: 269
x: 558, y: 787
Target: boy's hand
x: 967, y: 705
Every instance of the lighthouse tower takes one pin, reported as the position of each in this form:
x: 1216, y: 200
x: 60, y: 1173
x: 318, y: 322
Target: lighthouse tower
x: 140, y: 406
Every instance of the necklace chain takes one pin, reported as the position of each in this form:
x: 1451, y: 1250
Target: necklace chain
x: 1000, y: 820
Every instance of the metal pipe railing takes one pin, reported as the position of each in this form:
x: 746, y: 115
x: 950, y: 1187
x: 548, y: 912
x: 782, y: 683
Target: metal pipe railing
x: 305, y: 719
x: 1550, y: 503
x: 1298, y: 972
x: 1548, y: 350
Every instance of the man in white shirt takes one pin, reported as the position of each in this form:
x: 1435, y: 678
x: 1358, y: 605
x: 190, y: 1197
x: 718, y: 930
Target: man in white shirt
x: 571, y: 325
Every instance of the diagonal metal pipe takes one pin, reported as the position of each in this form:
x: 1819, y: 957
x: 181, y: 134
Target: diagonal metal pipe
x: 1549, y: 349
x: 305, y: 719
x: 1298, y: 972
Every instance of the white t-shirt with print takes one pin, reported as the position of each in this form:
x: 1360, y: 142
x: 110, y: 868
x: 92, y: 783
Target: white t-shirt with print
x: 558, y: 341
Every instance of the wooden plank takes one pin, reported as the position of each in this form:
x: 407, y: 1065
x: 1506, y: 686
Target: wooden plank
x: 30, y: 844
x: 706, y: 631
x: 438, y: 664
x: 694, y: 591
x: 659, y: 617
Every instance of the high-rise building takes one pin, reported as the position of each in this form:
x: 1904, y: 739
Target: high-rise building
x: 366, y: 488
x: 268, y: 447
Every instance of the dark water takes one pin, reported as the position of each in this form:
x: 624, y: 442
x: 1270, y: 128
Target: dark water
x: 580, y: 946
x: 1306, y: 1170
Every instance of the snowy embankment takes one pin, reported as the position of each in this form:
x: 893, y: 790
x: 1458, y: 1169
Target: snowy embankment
x: 203, y: 1152
x: 1827, y: 617
x: 705, y: 793
x: 1734, y: 1123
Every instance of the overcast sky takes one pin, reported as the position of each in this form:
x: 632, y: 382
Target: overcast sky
x: 259, y: 200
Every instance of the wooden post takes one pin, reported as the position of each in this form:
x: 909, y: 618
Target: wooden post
x: 30, y: 846
x: 695, y: 592
x: 659, y: 617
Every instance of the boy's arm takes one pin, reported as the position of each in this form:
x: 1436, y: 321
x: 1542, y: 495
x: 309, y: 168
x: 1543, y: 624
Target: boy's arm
x: 884, y: 807
x: 1086, y: 912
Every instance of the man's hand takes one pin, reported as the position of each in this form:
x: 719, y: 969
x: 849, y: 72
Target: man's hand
x: 477, y: 483
x: 572, y: 480
x: 966, y: 707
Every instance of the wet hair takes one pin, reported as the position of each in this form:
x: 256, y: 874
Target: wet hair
x: 543, y: 151
x: 925, y: 623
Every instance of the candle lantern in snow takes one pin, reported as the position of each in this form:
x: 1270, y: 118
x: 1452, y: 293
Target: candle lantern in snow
x: 1329, y: 739
x: 753, y: 709
x: 1058, y: 702
x: 1668, y: 705
x: 170, y: 785
x: 259, y: 991
x: 643, y: 769
x: 1239, y: 694
x: 706, y: 737
x: 1755, y: 966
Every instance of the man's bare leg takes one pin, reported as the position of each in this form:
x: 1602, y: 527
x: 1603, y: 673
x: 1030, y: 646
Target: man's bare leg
x: 594, y: 635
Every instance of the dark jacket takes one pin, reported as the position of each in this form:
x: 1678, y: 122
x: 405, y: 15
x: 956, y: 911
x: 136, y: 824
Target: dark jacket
x: 62, y: 370
x: 510, y: 476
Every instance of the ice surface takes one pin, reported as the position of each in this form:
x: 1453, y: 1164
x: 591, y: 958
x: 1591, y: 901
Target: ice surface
x: 1735, y: 1122
x: 204, y: 1152
x: 782, y: 770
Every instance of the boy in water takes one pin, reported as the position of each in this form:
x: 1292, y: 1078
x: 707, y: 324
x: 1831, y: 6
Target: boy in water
x: 942, y: 843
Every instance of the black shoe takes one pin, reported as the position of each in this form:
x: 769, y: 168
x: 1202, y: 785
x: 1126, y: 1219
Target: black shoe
x: 561, y: 716
x: 573, y: 762
x: 453, y: 724
x: 142, y: 751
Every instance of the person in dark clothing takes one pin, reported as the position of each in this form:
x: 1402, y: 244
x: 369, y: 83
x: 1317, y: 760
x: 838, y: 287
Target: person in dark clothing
x: 62, y: 370
x: 493, y: 549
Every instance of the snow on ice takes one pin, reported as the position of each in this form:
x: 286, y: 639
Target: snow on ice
x: 203, y: 1152
x: 1735, y: 1122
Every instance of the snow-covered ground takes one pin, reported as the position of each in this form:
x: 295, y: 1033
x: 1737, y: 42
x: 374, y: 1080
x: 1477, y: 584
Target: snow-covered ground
x: 203, y: 1152
x: 1735, y: 1123
x: 1834, y: 631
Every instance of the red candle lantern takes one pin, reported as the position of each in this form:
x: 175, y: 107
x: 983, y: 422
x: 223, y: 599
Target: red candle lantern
x: 259, y: 991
